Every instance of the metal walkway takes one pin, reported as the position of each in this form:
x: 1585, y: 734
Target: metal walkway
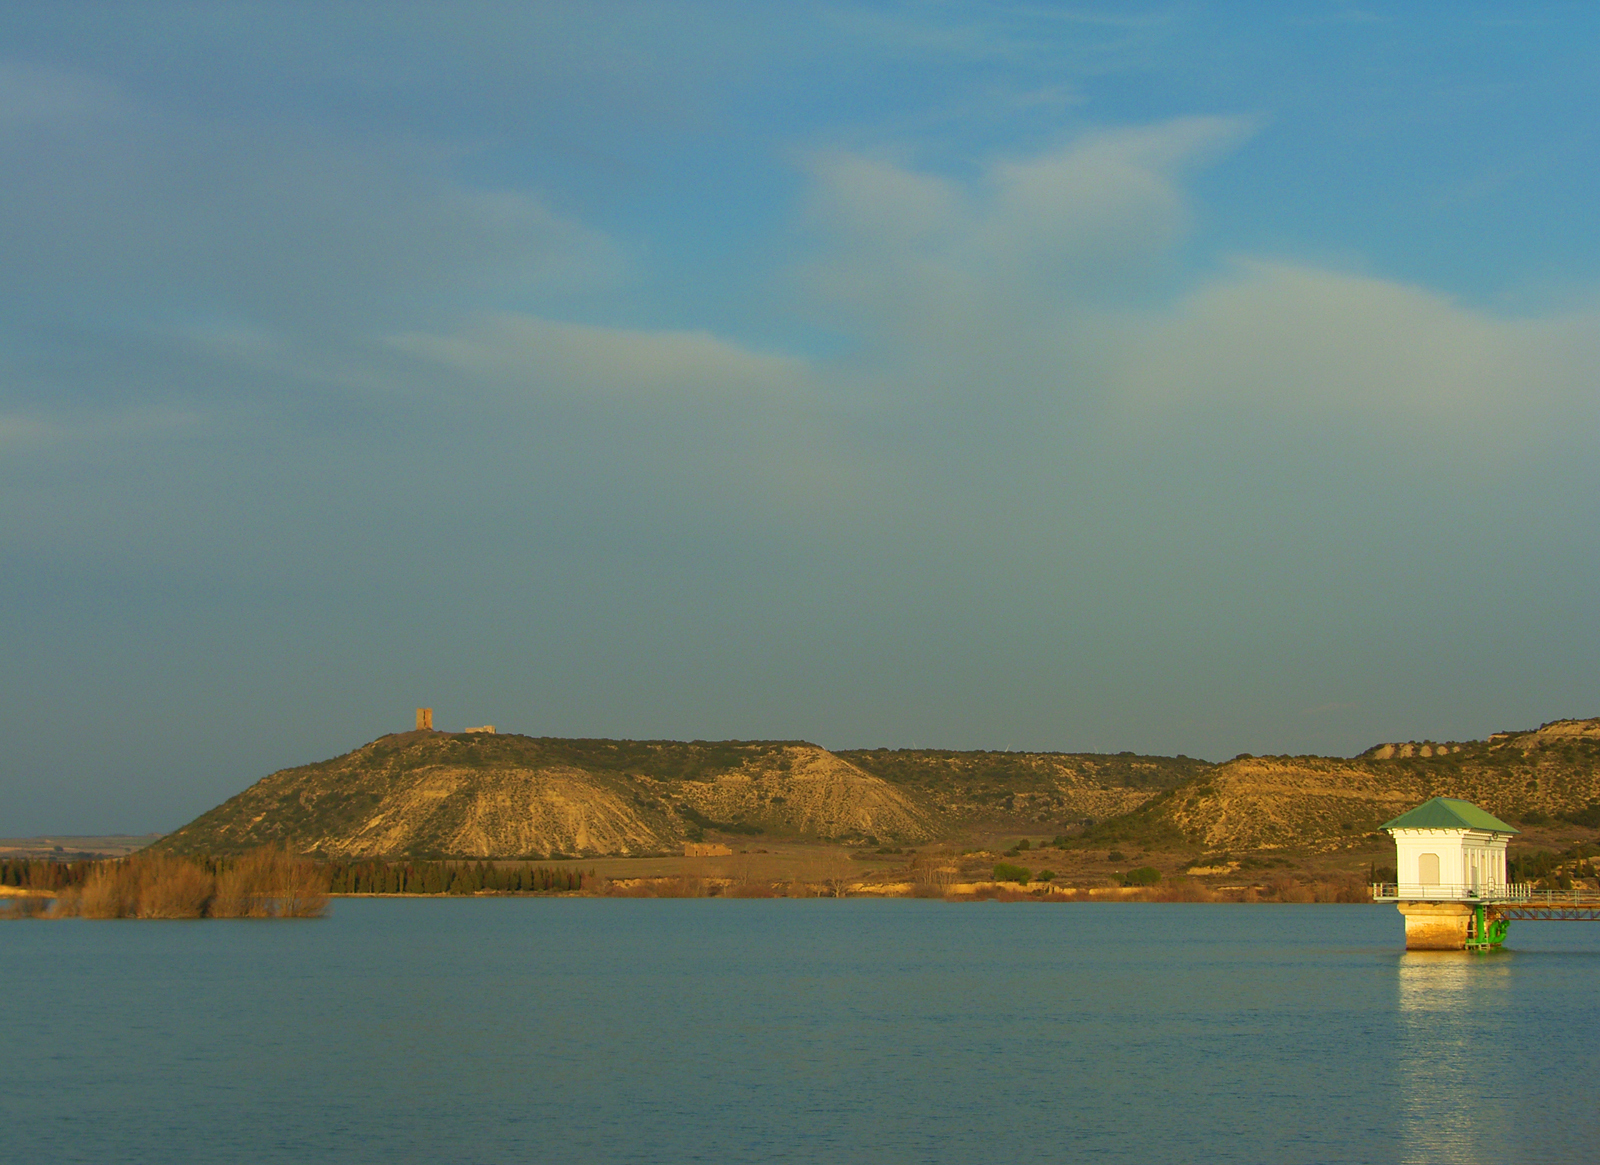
x: 1518, y: 900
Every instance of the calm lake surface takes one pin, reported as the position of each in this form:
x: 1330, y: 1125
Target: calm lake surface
x: 596, y: 1030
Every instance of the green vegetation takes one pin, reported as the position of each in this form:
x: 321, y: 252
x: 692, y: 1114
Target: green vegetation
x: 42, y: 874
x: 1143, y: 876
x: 380, y: 877
x: 1550, y: 870
x: 1045, y: 876
x: 1588, y: 816
x: 1269, y: 863
x: 661, y: 760
x: 1005, y: 872
x: 690, y: 813
x: 1149, y: 826
x: 1019, y: 772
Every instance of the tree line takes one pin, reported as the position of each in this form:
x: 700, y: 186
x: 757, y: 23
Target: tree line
x: 375, y: 876
x: 45, y: 875
x: 442, y: 877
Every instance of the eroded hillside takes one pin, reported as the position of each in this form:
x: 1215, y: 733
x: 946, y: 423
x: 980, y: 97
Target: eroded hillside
x: 1043, y: 788
x: 1327, y: 803
x: 484, y: 795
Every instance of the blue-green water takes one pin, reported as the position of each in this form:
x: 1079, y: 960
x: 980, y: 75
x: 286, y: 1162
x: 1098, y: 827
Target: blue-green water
x: 594, y: 1030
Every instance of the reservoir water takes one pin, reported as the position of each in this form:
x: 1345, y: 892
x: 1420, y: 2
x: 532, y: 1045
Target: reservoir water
x: 597, y: 1030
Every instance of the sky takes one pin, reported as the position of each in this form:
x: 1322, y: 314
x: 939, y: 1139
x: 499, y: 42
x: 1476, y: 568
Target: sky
x: 1175, y: 377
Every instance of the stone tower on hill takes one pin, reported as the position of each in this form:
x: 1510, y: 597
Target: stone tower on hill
x: 424, y: 719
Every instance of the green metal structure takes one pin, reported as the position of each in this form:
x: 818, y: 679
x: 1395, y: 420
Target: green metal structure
x: 1487, y: 931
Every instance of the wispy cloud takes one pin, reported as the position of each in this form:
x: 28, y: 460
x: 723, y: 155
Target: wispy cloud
x: 120, y: 210
x: 642, y: 367
x: 1026, y: 234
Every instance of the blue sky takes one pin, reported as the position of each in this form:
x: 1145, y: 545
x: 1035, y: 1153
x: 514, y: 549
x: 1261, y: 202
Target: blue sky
x: 1180, y: 378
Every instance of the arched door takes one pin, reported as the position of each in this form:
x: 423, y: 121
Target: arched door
x: 1428, y: 869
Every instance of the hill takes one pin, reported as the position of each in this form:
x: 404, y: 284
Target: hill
x: 1323, y: 803
x: 498, y: 795
x: 440, y: 794
x: 1026, y: 788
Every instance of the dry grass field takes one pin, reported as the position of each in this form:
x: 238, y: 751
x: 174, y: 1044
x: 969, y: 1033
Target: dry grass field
x: 74, y: 849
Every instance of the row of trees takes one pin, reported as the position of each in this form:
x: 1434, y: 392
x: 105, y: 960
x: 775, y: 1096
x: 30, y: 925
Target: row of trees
x: 1553, y: 871
x: 43, y: 874
x: 265, y: 882
x: 380, y: 877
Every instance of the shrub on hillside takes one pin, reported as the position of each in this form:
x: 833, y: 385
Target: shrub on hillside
x: 1589, y: 816
x: 1143, y: 876
x: 1181, y: 890
x: 1005, y: 872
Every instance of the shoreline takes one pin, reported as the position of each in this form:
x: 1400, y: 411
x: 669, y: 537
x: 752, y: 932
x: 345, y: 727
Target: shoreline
x: 959, y: 892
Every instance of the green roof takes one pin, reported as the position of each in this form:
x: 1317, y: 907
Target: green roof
x: 1448, y: 813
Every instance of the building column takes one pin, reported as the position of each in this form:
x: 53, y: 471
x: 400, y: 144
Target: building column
x: 1436, y: 926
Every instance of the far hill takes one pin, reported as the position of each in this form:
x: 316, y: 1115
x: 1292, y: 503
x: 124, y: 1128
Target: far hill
x: 1325, y: 803
x: 441, y: 794
x: 431, y: 793
x: 1023, y: 788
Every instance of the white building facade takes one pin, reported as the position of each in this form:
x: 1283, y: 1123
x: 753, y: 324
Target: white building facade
x: 1449, y: 850
x: 1450, y: 863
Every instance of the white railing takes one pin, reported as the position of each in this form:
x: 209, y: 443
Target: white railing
x: 1516, y: 893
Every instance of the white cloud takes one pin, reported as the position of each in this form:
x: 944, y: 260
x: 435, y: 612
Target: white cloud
x: 910, y: 255
x: 717, y: 425
x: 1020, y: 285
x: 1106, y: 199
x: 664, y: 367
x: 1307, y: 345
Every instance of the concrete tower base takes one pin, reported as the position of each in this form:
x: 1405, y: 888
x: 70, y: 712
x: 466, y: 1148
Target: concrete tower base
x: 1436, y: 926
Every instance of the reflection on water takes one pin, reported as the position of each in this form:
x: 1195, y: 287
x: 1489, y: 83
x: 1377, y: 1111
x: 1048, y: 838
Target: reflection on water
x: 1455, y: 1097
